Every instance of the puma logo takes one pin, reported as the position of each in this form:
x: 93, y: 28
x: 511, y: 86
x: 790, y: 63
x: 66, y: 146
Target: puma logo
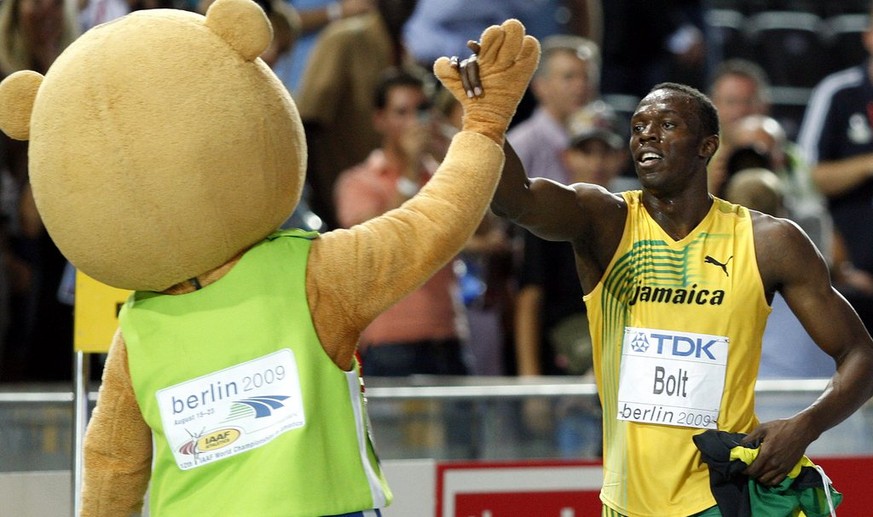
x: 709, y: 260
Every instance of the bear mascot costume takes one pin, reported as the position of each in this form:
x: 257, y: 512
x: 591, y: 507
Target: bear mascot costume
x: 163, y: 156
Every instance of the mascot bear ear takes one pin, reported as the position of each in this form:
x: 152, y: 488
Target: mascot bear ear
x: 17, y: 94
x: 242, y: 24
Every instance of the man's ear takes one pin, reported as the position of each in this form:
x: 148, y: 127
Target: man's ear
x: 709, y: 146
x: 17, y: 94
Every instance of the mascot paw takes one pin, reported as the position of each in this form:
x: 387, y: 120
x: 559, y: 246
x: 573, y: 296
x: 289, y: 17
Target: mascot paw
x: 506, y: 61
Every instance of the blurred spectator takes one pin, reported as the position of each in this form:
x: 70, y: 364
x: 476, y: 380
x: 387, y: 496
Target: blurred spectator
x: 426, y: 332
x: 34, y: 33
x: 336, y: 94
x: 567, y: 78
x: 315, y: 15
x: 443, y: 27
x: 484, y: 269
x: 837, y: 134
x: 788, y: 352
x: 39, y: 340
x: 551, y: 325
x: 739, y: 88
x: 740, y: 91
x: 548, y: 298
x: 597, y: 149
x: 423, y: 333
x: 764, y: 136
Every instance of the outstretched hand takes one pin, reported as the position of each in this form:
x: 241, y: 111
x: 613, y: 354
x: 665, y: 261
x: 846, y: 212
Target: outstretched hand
x: 490, y: 83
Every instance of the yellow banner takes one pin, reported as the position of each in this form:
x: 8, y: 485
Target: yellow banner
x: 96, y: 314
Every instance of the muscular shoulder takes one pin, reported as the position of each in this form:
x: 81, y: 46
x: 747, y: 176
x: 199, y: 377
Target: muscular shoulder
x: 596, y: 198
x: 605, y: 210
x: 606, y: 213
x: 783, y: 250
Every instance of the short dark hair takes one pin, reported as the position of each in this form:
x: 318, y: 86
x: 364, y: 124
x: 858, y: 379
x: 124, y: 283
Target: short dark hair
x: 707, y: 113
x: 394, y: 77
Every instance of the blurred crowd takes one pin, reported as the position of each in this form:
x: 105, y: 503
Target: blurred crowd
x: 378, y: 124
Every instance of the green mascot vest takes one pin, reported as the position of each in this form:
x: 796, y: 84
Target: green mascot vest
x: 249, y: 415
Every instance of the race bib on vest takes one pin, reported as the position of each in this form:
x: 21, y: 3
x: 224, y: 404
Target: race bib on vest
x: 231, y: 411
x: 671, y: 378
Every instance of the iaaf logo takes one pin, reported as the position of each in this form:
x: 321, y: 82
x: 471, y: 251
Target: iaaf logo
x: 212, y: 441
x: 261, y: 406
x: 685, y: 345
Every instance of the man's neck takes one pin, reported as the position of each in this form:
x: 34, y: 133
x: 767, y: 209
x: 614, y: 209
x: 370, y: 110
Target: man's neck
x: 678, y: 214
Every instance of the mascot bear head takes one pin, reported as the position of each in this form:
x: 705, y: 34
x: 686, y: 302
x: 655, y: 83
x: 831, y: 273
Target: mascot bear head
x: 161, y: 145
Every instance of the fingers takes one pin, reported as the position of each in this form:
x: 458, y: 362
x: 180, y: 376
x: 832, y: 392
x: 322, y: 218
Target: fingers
x: 470, y: 76
x: 754, y: 437
x: 465, y: 81
x: 766, y: 474
x: 767, y: 469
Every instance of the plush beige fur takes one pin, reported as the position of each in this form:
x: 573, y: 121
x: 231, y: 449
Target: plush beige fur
x: 161, y: 148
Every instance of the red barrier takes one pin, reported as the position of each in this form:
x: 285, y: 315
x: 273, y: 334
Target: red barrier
x: 497, y: 489
x: 570, y: 488
x: 851, y: 477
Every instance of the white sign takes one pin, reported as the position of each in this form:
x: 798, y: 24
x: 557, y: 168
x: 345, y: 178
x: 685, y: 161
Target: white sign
x: 671, y: 378
x: 232, y: 410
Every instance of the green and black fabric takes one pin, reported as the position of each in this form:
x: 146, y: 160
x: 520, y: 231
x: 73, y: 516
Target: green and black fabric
x: 802, y: 492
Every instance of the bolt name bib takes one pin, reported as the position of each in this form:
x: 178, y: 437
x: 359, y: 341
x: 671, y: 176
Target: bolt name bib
x: 671, y: 378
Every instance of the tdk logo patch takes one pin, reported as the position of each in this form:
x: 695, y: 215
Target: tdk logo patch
x: 680, y: 345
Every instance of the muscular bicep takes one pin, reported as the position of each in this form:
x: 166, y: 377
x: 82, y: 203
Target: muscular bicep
x: 791, y: 264
x: 558, y: 212
x: 549, y: 209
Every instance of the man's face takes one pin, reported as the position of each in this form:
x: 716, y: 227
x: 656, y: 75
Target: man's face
x: 565, y: 85
x: 736, y: 96
x: 593, y: 161
x: 666, y: 142
x: 403, y: 108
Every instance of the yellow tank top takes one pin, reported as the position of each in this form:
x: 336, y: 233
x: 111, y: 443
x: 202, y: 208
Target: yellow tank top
x: 676, y: 327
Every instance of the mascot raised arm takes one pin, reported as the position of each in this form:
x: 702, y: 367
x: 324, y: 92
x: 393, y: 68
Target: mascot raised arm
x: 164, y: 154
